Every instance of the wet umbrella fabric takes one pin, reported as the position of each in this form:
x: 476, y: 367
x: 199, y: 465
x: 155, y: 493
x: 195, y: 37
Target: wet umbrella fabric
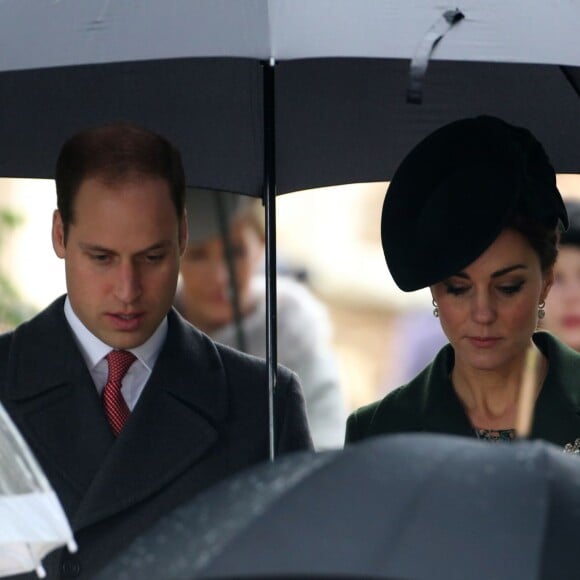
x: 191, y: 69
x: 32, y: 521
x: 411, y: 506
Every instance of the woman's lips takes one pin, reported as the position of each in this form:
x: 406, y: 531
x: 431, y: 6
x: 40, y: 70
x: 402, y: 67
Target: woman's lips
x: 483, y: 341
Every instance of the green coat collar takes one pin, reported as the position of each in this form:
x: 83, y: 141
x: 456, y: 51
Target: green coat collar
x: 429, y: 403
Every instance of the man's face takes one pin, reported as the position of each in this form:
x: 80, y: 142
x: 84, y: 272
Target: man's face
x: 121, y: 257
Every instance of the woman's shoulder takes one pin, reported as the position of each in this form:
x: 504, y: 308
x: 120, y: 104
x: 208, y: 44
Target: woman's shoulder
x: 404, y: 408
x: 397, y: 411
x: 564, y: 364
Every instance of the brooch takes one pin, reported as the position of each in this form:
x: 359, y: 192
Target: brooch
x: 573, y: 448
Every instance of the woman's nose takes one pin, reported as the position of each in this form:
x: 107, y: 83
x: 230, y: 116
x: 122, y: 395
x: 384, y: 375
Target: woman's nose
x: 483, y: 309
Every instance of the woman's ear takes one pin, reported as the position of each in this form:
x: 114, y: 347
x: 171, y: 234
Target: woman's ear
x: 548, y: 281
x: 431, y: 292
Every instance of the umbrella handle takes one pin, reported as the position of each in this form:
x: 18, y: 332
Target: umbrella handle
x: 424, y: 51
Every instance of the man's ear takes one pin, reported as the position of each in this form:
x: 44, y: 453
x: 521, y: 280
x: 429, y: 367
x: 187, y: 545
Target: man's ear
x: 183, y: 234
x: 58, y: 237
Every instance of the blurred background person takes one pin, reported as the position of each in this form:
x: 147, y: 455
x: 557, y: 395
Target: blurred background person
x: 419, y: 337
x: 235, y: 314
x: 562, y: 310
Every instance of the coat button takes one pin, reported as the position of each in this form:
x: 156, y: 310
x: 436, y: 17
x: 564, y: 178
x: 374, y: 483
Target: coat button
x: 70, y: 568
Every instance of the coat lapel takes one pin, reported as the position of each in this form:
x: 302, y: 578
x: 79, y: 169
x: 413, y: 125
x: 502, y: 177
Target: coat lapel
x: 557, y: 414
x: 55, y: 403
x: 442, y: 410
x: 173, y: 425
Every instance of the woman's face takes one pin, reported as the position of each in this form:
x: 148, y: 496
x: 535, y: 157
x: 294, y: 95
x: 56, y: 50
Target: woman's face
x: 489, y: 310
x: 206, y: 288
x: 563, y: 302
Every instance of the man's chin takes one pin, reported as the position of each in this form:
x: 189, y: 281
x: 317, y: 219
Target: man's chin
x: 125, y: 340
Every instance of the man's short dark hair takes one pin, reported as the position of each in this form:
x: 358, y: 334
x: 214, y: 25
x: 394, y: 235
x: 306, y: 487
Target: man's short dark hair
x: 113, y: 153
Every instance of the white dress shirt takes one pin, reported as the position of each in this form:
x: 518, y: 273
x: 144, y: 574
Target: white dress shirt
x: 95, y: 350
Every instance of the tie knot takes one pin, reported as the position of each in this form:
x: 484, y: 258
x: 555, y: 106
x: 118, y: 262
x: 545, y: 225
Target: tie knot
x: 119, y: 363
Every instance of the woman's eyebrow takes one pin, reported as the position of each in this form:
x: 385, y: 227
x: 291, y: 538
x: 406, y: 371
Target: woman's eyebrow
x: 509, y: 269
x: 496, y: 274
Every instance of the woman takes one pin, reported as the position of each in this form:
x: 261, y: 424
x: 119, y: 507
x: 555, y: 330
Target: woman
x: 206, y: 298
x: 474, y: 213
x: 563, y: 303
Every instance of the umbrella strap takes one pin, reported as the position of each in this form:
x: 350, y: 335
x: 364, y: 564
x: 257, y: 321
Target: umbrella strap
x: 424, y: 51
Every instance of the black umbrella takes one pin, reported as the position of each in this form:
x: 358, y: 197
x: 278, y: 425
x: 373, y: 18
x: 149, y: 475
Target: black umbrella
x: 194, y: 70
x: 270, y: 96
x: 412, y: 506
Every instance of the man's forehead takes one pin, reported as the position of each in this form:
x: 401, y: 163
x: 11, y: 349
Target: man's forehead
x: 116, y: 180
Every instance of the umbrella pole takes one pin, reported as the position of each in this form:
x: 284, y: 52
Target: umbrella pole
x: 230, y: 262
x: 270, y: 215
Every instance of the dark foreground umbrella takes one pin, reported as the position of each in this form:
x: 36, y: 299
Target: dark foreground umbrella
x: 400, y: 506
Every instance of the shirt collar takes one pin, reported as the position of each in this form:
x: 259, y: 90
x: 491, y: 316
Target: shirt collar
x: 94, y: 350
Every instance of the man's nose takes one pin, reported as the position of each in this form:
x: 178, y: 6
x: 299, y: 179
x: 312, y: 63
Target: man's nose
x: 128, y: 283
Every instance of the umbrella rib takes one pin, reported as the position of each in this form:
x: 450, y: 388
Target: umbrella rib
x: 574, y: 83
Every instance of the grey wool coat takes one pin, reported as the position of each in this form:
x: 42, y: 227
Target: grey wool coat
x: 202, y: 416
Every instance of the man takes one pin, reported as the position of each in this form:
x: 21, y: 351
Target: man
x: 190, y: 412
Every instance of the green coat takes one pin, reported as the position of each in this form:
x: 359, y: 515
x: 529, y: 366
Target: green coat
x: 429, y: 403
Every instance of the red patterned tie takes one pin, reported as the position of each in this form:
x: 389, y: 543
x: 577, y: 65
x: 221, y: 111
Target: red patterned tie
x: 113, y: 401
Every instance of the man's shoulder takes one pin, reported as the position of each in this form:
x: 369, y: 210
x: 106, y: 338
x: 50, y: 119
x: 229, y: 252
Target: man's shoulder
x: 39, y: 326
x: 5, y: 344
x: 245, y: 364
x: 235, y: 362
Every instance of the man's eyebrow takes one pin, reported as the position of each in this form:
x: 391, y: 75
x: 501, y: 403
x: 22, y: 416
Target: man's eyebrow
x: 498, y: 273
x: 98, y: 248
x: 95, y: 248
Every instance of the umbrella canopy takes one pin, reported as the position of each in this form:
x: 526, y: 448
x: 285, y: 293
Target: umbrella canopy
x: 32, y: 521
x: 192, y: 69
x: 412, y: 506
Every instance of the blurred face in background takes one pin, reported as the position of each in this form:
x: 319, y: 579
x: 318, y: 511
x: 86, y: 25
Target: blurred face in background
x: 206, y: 295
x: 563, y: 302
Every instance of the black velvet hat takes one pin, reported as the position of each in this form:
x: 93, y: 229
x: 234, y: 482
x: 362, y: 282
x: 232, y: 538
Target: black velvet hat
x: 455, y: 192
x: 572, y: 235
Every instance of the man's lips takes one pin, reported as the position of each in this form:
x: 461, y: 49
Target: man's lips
x: 122, y: 321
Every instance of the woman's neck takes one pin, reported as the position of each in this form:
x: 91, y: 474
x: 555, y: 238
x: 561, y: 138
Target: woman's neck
x: 490, y: 398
